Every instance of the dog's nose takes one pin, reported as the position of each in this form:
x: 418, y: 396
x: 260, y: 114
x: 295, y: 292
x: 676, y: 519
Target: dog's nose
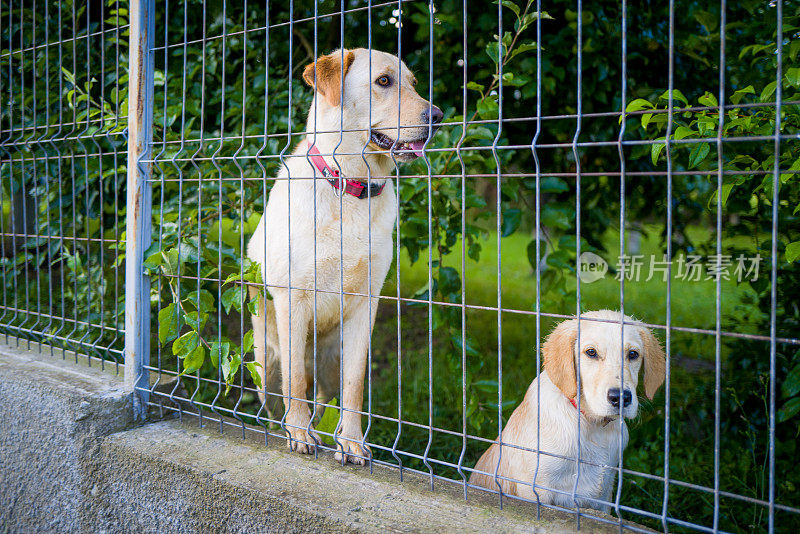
x: 432, y: 115
x: 614, y: 395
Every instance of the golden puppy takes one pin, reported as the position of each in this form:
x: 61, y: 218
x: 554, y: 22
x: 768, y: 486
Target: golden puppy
x: 610, y: 359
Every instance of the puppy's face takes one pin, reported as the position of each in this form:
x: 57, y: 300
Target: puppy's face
x: 379, y: 99
x: 610, y: 357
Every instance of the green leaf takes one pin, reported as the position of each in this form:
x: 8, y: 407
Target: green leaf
x: 655, y: 151
x: 676, y: 95
x: 512, y: 6
x: 247, y: 342
x: 170, y: 263
x: 511, y: 220
x: 531, y: 250
x: 470, y: 347
x: 638, y: 105
x: 791, y: 386
x: 793, y: 76
x: 203, y: 300
x: 196, y: 320
x: 254, y: 374
x: 698, y: 154
x: 789, y: 410
x: 219, y: 351
x: 493, y: 50
x: 682, y: 132
x: 552, y: 184
x: 554, y: 217
x: 449, y: 281
x: 185, y: 344
x: 785, y: 177
x: 794, y: 48
x: 233, y: 276
x: 737, y: 96
x: 768, y: 91
x: 328, y: 422
x: 479, y: 132
x: 725, y: 193
x: 793, y: 252
x: 475, y: 86
x: 230, y: 366
x: 194, y: 360
x: 522, y: 47
x: 487, y: 107
x: 168, y: 323
x: 708, y: 99
x: 231, y: 298
x: 707, y: 20
x: 188, y: 253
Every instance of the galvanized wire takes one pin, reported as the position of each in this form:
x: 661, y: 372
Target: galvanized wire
x: 217, y: 153
x: 60, y: 233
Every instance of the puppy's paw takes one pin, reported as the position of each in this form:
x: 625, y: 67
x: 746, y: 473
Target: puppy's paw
x: 303, y: 441
x: 352, y: 451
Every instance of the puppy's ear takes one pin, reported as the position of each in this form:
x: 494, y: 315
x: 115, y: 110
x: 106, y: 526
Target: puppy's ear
x: 655, y: 363
x: 330, y: 73
x: 559, y: 357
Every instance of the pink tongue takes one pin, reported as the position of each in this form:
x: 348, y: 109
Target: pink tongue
x: 416, y: 146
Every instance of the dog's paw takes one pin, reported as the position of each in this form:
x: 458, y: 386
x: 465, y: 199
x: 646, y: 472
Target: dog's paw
x: 298, y: 427
x: 303, y: 440
x: 352, y: 451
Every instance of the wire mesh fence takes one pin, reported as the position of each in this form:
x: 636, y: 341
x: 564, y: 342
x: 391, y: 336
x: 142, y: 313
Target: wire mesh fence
x: 585, y: 157
x: 63, y: 152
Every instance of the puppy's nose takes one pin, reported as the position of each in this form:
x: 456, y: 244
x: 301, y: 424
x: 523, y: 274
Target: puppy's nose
x: 432, y: 115
x: 614, y: 395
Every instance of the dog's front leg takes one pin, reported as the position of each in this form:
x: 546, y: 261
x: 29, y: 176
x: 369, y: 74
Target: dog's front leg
x: 357, y: 332
x: 292, y: 337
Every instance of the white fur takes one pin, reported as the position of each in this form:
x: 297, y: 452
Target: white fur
x: 353, y: 240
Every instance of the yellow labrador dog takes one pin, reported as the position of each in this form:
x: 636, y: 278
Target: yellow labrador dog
x: 603, y: 353
x: 303, y: 214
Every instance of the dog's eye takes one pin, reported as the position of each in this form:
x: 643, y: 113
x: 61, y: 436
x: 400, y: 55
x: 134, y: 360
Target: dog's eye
x: 590, y: 352
x: 384, y: 81
x: 632, y: 354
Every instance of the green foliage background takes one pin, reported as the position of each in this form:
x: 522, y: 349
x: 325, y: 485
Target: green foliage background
x: 225, y: 107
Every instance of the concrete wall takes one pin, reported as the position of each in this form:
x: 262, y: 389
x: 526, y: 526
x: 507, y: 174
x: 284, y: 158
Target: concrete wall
x: 72, y: 460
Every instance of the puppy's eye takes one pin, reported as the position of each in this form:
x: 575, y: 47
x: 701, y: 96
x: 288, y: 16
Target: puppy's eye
x: 590, y: 352
x: 632, y: 354
x: 414, y: 82
x: 384, y: 81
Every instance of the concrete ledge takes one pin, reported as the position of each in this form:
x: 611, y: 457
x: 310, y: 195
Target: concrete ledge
x: 183, y: 479
x: 73, y: 461
x: 53, y: 416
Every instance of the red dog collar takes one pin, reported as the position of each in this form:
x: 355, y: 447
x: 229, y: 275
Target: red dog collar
x: 575, y: 404
x: 605, y: 420
x: 356, y: 188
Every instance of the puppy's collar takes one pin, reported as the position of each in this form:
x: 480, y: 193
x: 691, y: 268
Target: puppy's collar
x: 605, y: 420
x: 355, y: 188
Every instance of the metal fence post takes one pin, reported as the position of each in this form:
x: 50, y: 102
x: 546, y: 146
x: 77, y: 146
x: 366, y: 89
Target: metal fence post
x: 139, y: 202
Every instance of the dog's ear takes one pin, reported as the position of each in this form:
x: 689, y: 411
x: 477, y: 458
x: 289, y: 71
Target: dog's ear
x: 330, y: 73
x: 655, y: 363
x: 559, y: 357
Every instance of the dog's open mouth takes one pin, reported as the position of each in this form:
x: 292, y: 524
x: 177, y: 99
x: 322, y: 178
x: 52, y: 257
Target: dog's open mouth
x: 401, y: 149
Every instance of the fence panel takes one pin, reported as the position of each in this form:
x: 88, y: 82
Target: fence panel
x: 62, y: 175
x: 589, y: 157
